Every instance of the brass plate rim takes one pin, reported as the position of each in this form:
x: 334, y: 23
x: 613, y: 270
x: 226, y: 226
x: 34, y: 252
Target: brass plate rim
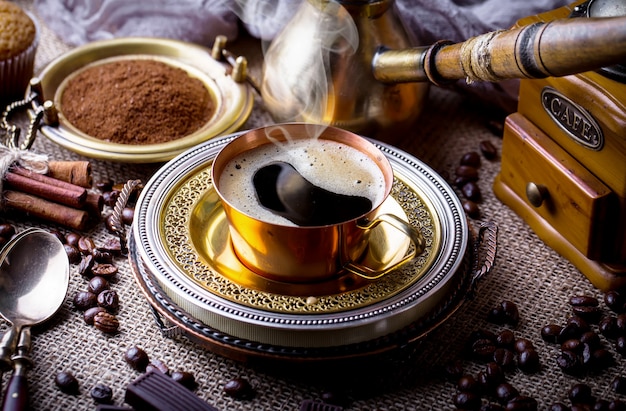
x: 234, y: 100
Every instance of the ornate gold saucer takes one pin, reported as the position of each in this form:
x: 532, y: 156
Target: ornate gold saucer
x: 182, y: 259
x: 233, y: 98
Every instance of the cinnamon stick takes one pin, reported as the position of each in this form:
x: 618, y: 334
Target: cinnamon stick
x: 74, y: 172
x: 46, y: 210
x: 71, y: 196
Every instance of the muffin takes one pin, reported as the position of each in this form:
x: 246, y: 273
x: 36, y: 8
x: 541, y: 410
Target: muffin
x: 18, y: 44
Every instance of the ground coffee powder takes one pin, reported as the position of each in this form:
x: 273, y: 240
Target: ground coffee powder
x: 136, y: 101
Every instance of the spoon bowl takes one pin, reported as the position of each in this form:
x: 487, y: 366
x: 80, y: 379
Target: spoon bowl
x: 34, y: 279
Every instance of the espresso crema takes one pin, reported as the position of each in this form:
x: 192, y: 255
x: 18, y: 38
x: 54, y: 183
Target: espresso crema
x: 330, y: 165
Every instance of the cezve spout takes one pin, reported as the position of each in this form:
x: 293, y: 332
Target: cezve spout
x: 553, y: 49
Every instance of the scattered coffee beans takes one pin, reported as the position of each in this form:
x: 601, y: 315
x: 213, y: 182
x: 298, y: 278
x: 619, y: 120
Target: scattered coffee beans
x: 84, y: 300
x: 90, y: 314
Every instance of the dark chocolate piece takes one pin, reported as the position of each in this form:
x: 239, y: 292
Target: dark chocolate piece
x: 155, y: 391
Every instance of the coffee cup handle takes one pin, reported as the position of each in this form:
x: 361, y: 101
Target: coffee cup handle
x: 419, y: 244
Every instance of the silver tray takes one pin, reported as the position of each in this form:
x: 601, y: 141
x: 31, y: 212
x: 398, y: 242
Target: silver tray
x: 174, y: 274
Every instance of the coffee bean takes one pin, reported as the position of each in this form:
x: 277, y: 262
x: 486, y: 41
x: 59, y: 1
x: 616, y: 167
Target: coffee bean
x: 468, y: 383
x: 102, y: 393
x: 505, y: 358
x: 137, y: 358
x: 98, y: 284
x: 522, y: 402
x: 591, y: 338
x: 104, y: 270
x: 581, y: 394
x: 505, y: 339
x: 109, y: 300
x: 467, y: 172
x: 72, y: 238
x: 504, y: 313
x: 73, y: 254
x: 186, y: 379
x: 158, y: 365
x: 584, y: 300
x: 573, y: 344
x: 86, y: 266
x: 505, y: 392
x: 581, y: 324
x: 569, y: 363
x: 618, y: 385
x: 559, y: 406
x: 84, y: 300
x: 523, y: 344
x: 620, y: 323
x: 128, y: 215
x: 471, y: 191
x: 454, y: 370
x: 465, y: 400
x: 551, y: 332
x: 483, y: 349
x: 239, y: 388
x: 471, y: 159
x: 101, y: 256
x: 496, y: 126
x: 616, y: 301
x: 471, y: 209
x: 489, y: 151
x: 528, y: 361
x: 7, y: 230
x: 608, y: 327
x: 616, y: 405
x: 66, y: 382
x: 592, y: 314
x: 110, y: 197
x: 601, y: 359
x: 106, y: 322
x: 90, y: 314
x: 86, y: 245
x: 104, y: 185
x: 112, y: 246
x: 620, y: 345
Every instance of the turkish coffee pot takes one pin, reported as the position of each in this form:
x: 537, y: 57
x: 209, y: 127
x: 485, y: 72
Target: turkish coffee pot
x: 353, y: 64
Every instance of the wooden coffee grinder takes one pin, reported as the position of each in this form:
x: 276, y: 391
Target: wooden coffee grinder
x: 564, y: 159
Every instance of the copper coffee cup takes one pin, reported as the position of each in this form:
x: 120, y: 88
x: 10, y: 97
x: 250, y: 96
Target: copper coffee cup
x: 308, y: 253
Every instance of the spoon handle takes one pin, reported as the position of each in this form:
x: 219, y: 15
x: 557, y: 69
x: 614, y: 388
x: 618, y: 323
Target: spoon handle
x: 16, y: 394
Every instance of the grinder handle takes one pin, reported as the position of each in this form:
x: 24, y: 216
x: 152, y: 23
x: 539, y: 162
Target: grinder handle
x: 544, y: 49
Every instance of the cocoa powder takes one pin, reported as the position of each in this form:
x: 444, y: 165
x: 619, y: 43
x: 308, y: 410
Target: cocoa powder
x: 136, y: 101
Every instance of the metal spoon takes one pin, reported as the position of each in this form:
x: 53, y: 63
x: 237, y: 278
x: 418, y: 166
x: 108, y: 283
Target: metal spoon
x: 34, y: 279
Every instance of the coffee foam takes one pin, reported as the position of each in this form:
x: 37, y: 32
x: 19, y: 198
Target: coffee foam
x: 328, y: 164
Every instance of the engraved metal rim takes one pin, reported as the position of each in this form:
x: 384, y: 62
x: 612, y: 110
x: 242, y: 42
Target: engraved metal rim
x: 235, y: 100
x: 179, y: 322
x: 311, y: 330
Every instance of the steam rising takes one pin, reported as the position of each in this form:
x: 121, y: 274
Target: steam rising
x: 320, y: 35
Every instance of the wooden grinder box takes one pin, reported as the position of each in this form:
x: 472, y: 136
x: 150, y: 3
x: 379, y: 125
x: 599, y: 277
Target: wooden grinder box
x: 564, y: 163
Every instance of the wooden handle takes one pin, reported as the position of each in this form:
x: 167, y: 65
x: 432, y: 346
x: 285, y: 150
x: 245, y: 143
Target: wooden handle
x: 16, y: 394
x: 557, y: 48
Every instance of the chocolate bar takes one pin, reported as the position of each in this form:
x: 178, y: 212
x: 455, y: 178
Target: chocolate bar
x: 155, y: 391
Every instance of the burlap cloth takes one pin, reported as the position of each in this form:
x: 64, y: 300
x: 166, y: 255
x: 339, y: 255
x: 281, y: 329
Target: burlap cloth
x: 527, y: 272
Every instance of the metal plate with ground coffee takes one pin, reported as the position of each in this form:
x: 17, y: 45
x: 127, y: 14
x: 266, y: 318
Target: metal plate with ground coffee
x: 157, y: 86
x: 179, y: 252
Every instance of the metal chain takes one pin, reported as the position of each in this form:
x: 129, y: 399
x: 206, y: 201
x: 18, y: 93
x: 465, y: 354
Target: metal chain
x: 10, y: 133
